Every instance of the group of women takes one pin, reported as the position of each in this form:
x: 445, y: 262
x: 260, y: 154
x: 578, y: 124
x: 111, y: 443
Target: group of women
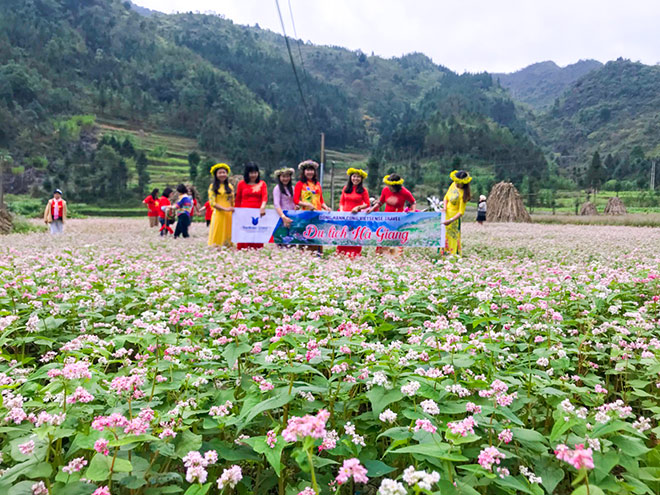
x: 252, y: 192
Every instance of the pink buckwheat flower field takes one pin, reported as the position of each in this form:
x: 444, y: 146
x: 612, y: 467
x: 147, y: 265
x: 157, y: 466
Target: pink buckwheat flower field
x: 138, y: 365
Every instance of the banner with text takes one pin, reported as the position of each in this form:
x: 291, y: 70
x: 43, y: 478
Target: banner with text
x: 247, y: 225
x: 423, y: 229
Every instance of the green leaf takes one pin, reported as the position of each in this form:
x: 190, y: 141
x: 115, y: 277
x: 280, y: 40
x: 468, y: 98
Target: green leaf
x: 279, y: 400
x: 39, y: 453
x: 560, y: 427
x: 457, y: 439
x: 397, y: 433
x: 630, y: 446
x: 233, y: 351
x: 592, y: 490
x: 198, y: 489
x: 186, y: 442
x: 132, y: 439
x: 380, y: 398
x: 274, y: 455
x: 550, y: 474
x: 376, y: 469
x: 524, y: 436
x: 515, y: 483
x: 22, y: 488
x: 439, y: 451
x: 99, y: 467
x: 74, y: 488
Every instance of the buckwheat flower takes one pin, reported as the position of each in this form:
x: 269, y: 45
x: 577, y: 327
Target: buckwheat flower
x: 410, y: 388
x: 39, y: 488
x: 26, y: 448
x: 582, y: 457
x: 222, y: 410
x: 424, y: 424
x: 543, y: 362
x: 502, y: 472
x: 352, y: 467
x: 329, y: 440
x: 103, y: 490
x: 391, y: 487
x: 230, y: 477
x: 101, y: 446
x: 642, y: 424
x: 464, y: 427
x: 430, y: 407
x: 211, y: 456
x: 422, y: 479
x: 387, y: 416
x: 271, y: 438
x: 599, y: 389
x: 489, y: 456
x: 472, y: 407
x: 529, y: 474
x: 75, y: 465
x: 307, y: 426
x: 308, y: 491
x: 505, y: 436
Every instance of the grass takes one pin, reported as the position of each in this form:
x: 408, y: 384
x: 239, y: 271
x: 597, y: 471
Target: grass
x: 630, y: 220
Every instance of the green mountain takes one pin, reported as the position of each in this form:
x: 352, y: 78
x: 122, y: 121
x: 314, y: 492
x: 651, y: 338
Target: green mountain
x: 538, y: 85
x: 232, y: 90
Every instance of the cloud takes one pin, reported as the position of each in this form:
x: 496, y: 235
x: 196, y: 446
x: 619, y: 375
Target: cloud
x: 471, y: 35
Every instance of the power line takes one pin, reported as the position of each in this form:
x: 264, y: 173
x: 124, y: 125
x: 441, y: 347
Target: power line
x: 293, y: 65
x: 295, y: 33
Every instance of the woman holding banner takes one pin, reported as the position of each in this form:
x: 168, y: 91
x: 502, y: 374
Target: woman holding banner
x: 251, y: 192
x: 221, y: 200
x: 354, y: 199
x: 283, y: 194
x: 308, y: 194
x: 456, y: 198
x: 394, y: 196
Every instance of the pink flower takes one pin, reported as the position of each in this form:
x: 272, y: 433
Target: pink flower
x: 308, y: 491
x: 103, y: 490
x: 424, y: 424
x: 307, y: 426
x: 230, y: 477
x: 271, y: 438
x: 75, y: 465
x: 26, y: 448
x: 505, y: 436
x: 489, y: 456
x: 39, y: 488
x: 463, y: 428
x: 578, y: 458
x: 101, y: 446
x: 352, y: 467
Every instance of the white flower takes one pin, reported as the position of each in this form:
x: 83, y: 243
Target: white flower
x: 387, y: 416
x: 391, y: 487
x: 430, y: 407
x: 422, y: 479
x: 410, y: 388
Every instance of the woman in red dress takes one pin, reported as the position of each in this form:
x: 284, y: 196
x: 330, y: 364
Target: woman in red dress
x: 394, y: 196
x: 308, y: 194
x: 354, y: 199
x: 251, y: 192
x: 152, y: 206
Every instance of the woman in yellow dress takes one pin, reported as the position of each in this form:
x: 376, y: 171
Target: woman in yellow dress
x: 221, y: 199
x: 456, y: 198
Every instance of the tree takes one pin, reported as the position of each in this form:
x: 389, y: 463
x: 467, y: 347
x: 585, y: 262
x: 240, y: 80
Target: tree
x: 373, y: 167
x: 143, y: 176
x: 5, y: 158
x: 193, y: 162
x: 595, y: 173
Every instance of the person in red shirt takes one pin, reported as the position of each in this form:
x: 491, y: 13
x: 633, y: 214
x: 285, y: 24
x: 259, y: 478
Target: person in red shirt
x: 308, y: 194
x: 251, y: 192
x: 164, y: 221
x: 394, y: 196
x: 208, y: 213
x: 354, y: 199
x: 153, y: 210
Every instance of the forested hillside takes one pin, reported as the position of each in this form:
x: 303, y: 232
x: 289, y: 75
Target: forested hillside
x: 538, y: 85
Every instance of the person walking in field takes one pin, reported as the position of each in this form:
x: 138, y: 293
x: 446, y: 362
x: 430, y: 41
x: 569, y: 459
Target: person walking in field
x: 221, y: 200
x: 455, y: 201
x: 354, y: 198
x: 183, y: 208
x: 55, y: 213
x: 251, y: 192
x: 481, y: 210
x: 153, y: 210
x: 208, y: 212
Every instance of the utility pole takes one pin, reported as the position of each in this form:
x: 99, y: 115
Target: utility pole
x: 322, y: 156
x: 332, y: 185
x: 653, y: 175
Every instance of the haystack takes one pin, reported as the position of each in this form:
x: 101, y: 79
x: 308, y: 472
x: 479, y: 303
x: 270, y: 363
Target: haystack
x: 588, y: 208
x: 5, y: 221
x: 615, y: 207
x: 506, y: 205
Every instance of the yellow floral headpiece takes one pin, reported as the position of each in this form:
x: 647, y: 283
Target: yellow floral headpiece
x: 358, y: 171
x: 220, y: 165
x: 464, y: 180
x: 387, y: 181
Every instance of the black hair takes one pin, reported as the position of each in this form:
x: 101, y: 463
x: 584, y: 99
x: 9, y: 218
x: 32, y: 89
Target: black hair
x: 286, y: 190
x: 154, y: 193
x: 216, y: 184
x: 394, y: 178
x: 181, y: 188
x: 167, y: 192
x: 348, y: 189
x: 467, y: 194
x: 251, y: 167
x: 303, y: 179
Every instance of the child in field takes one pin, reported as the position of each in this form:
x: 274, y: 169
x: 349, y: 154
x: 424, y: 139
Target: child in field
x: 183, y: 208
x: 163, y: 204
x: 481, y: 210
x: 208, y: 212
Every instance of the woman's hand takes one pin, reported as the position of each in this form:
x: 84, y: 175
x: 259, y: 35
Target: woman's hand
x: 325, y: 207
x: 357, y: 209
x: 287, y: 221
x: 262, y: 211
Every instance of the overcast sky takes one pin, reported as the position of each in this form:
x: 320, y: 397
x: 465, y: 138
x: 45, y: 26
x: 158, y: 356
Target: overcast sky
x: 464, y: 35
